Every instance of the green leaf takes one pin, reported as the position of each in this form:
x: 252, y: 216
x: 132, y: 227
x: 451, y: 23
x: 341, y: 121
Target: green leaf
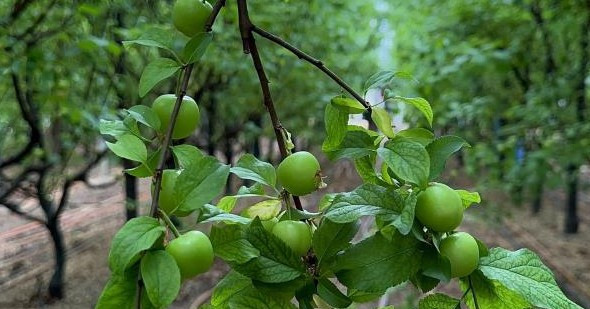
x: 155, y: 72
x: 199, y: 183
x: 385, y: 79
x: 249, y: 167
x: 146, y: 169
x: 186, y: 155
x: 227, y: 203
x: 347, y: 105
x: 230, y: 287
x: 276, y: 263
x: 492, y: 294
x: 357, y: 143
x: 468, y: 198
x: 254, y: 299
x: 440, y: 150
x: 365, y: 168
x: 114, y: 128
x: 155, y: 37
x: 145, y: 114
x: 137, y: 235
x: 196, y: 47
x: 365, y: 200
x: 383, y: 121
x: 424, y: 283
x: 376, y: 263
x: 229, y: 243
x: 419, y: 135
x: 523, y: 272
x: 408, y: 160
x: 438, y: 301
x: 331, y: 238
x: 119, y: 291
x: 330, y: 293
x: 296, y: 215
x: 405, y: 220
x: 161, y: 277
x: 129, y: 147
x: 435, y: 265
x: 210, y: 213
x: 335, y: 122
x: 421, y: 104
x: 264, y: 210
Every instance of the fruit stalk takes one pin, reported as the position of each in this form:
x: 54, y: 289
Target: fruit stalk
x: 169, y: 223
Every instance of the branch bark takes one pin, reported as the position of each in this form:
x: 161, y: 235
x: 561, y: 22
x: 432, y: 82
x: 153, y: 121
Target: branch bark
x: 246, y: 29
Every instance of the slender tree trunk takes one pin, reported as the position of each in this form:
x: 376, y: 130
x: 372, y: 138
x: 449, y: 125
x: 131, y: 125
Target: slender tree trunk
x: 56, y: 285
x: 537, y: 202
x: 130, y: 192
x: 211, y: 129
x: 571, y: 212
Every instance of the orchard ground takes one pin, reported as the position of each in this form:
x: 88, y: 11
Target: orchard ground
x: 94, y: 215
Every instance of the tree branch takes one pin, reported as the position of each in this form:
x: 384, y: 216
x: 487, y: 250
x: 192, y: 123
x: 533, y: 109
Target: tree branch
x: 16, y: 209
x: 317, y: 63
x: 246, y: 28
x: 29, y: 116
x: 37, y: 21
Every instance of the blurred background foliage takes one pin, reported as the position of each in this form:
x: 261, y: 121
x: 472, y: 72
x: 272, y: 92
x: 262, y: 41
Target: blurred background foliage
x: 510, y: 76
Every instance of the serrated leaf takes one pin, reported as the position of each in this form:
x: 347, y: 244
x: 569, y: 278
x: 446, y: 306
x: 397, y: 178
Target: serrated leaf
x: 146, y: 169
x: 335, y: 122
x: 137, y: 235
x: 364, y: 265
x: 297, y: 215
x: 491, y: 294
x: 384, y: 79
x: 440, y: 150
x: 129, y: 147
x: 408, y: 160
x: 199, y: 183
x: 365, y: 167
x: 331, y: 238
x: 249, y: 167
x: 357, y: 143
x: 210, y: 213
x: 438, y: 301
x: 155, y: 72
x: 330, y: 293
x: 366, y: 200
x: 347, y: 105
x: 155, y: 37
x: 229, y: 243
x: 468, y: 198
x: 405, y: 220
x: 186, y: 155
x: 383, y: 121
x: 264, y: 210
x: 195, y: 48
x: 523, y: 272
x: 229, y: 288
x: 145, y: 114
x: 161, y: 277
x: 421, y: 104
x: 254, y: 299
x: 113, y: 127
x: 424, y: 283
x: 276, y: 263
x: 435, y: 265
x: 119, y: 292
x: 419, y: 135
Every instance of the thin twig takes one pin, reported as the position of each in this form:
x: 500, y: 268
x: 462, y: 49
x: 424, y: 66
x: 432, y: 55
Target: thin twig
x: 169, y: 223
x: 317, y: 63
x: 246, y: 28
x: 15, y: 209
x: 473, y: 293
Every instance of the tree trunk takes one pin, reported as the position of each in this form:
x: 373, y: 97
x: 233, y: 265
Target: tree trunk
x: 130, y: 192
x: 56, y: 285
x: 537, y: 197
x: 571, y: 215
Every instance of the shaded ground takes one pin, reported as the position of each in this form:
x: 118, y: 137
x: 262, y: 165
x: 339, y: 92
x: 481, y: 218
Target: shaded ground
x: 93, y: 216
